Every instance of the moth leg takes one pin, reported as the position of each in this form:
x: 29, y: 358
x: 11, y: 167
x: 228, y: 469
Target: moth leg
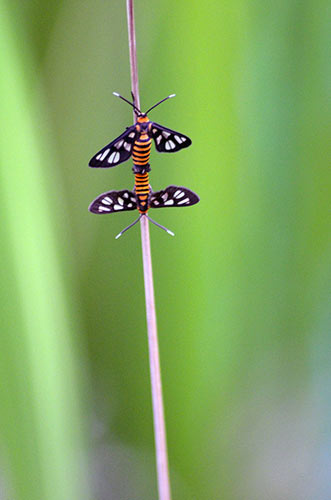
x: 128, y: 227
x: 160, y: 225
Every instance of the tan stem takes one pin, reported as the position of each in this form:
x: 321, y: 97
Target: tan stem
x: 154, y: 358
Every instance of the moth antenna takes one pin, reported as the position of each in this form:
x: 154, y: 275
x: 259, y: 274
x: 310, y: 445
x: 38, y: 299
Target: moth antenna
x: 165, y: 99
x: 159, y: 225
x: 133, y: 223
x: 123, y: 98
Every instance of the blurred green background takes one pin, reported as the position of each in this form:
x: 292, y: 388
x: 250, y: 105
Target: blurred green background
x: 241, y: 291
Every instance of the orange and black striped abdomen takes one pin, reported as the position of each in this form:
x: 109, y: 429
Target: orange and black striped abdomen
x: 141, y: 151
x: 142, y: 190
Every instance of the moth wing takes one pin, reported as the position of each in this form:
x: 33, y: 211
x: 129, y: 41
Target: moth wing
x: 114, y: 201
x: 115, y: 152
x: 167, y: 140
x: 174, y: 196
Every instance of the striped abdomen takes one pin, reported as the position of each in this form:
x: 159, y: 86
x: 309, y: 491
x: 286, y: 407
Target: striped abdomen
x: 142, y: 191
x: 141, y: 151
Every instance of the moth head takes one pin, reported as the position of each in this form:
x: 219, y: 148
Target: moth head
x: 142, y: 118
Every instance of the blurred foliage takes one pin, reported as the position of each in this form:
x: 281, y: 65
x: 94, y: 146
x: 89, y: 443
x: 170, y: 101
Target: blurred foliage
x: 242, y: 291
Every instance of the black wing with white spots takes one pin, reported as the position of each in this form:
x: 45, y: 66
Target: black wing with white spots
x: 114, y: 201
x: 116, y: 152
x: 167, y: 140
x: 174, y: 196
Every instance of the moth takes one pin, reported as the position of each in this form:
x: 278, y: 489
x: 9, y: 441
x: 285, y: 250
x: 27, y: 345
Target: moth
x: 136, y: 141
x: 142, y: 198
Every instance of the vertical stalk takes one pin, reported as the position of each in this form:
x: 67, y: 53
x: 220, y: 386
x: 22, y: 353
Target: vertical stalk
x: 154, y: 358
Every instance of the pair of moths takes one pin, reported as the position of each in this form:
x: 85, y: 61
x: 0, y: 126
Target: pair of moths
x: 136, y: 142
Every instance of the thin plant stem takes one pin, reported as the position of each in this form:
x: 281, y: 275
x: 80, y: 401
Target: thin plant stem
x: 154, y: 358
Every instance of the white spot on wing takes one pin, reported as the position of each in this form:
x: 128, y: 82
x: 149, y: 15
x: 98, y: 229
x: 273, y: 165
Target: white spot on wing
x: 158, y: 139
x: 118, y: 207
x: 103, y: 209
x: 179, y: 194
x: 156, y: 202
x: 126, y: 195
x: 104, y: 154
x: 114, y: 157
x: 132, y: 135
x: 165, y: 134
x: 99, y: 156
x: 164, y: 196
x: 181, y: 202
x: 129, y: 205
x: 120, y: 200
x: 178, y: 139
x: 119, y: 144
x: 154, y: 131
x: 169, y: 202
x: 170, y: 145
x: 127, y: 146
x: 107, y: 200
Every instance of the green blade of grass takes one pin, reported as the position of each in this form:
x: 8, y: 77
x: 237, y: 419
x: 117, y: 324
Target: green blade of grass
x: 42, y: 439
